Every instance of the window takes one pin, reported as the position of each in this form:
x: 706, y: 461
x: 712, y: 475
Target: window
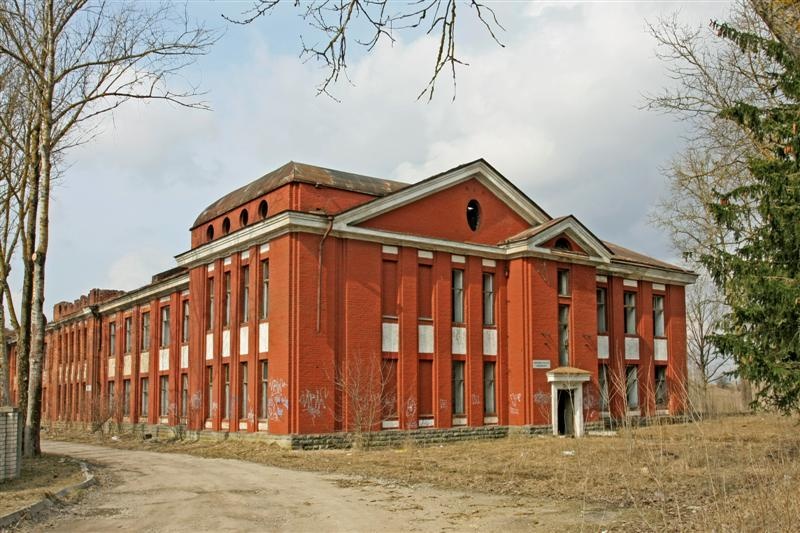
x: 602, y: 382
x: 184, y: 395
x: 473, y: 214
x: 658, y: 315
x: 226, y: 301
x: 425, y: 292
x: 562, y: 244
x: 226, y: 396
x: 602, y: 320
x: 163, y: 386
x: 164, y: 327
x: 210, y: 232
x: 128, y: 333
x: 209, y: 389
x: 210, y: 303
x: 629, y: 314
x: 563, y: 335
x: 112, y: 405
x: 243, y: 391
x: 389, y: 289
x: 126, y: 397
x: 489, y: 406
x: 458, y: 388
x: 145, y: 331
x: 185, y: 322
x: 263, y: 393
x: 563, y: 283
x: 632, y: 386
x: 425, y: 386
x: 226, y: 226
x: 244, y: 305
x: 145, y: 397
x: 264, y: 307
x: 263, y: 209
x: 112, y: 339
x: 458, y: 296
x: 243, y: 217
x: 488, y: 299
x: 662, y: 394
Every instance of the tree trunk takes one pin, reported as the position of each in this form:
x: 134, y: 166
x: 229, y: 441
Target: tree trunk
x: 5, y: 397
x: 33, y: 419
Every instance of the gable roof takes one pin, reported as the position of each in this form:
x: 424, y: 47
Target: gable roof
x: 569, y: 225
x: 479, y: 168
x: 293, y: 172
x: 625, y: 255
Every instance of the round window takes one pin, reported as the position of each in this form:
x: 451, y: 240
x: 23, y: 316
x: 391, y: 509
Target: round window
x: 226, y: 226
x: 210, y: 232
x: 243, y: 216
x: 263, y: 208
x: 473, y: 214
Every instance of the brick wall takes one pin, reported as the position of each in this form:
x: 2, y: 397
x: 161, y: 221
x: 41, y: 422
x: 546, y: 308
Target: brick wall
x: 10, y: 443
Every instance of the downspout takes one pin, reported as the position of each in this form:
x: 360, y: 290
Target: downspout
x: 319, y: 271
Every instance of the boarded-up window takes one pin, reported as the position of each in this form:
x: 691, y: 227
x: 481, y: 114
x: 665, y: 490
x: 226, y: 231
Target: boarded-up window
x: 389, y: 289
x: 425, y: 291
x: 389, y: 380
x: 425, y: 383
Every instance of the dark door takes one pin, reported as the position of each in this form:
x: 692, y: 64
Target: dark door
x: 566, y: 423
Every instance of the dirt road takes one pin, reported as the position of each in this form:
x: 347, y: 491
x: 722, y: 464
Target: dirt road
x: 148, y: 491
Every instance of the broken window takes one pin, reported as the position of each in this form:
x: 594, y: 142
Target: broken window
x: 458, y: 296
x: 473, y: 214
x: 563, y: 283
x: 126, y: 397
x: 632, y: 386
x: 128, y: 333
x: 658, y: 315
x: 112, y: 339
x: 243, y: 218
x: 264, y: 390
x: 210, y: 233
x: 563, y: 335
x: 164, y: 327
x: 263, y: 209
x: 164, y: 391
x: 602, y: 382
x: 602, y: 317
x: 661, y: 387
x: 145, y: 397
x: 210, y: 304
x: 185, y: 326
x: 226, y: 226
x: 264, y: 308
x: 629, y: 315
x: 488, y: 299
x: 489, y: 404
x: 145, y: 331
x: 245, y: 293
x: 226, y: 300
x: 562, y: 244
x: 458, y: 388
x: 184, y: 395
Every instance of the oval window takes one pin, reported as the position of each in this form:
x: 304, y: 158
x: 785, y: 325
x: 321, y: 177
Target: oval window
x: 210, y: 232
x: 243, y: 218
x: 263, y: 208
x: 473, y: 214
x: 226, y: 226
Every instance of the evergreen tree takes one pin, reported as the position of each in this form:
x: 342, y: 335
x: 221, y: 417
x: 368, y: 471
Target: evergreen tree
x: 759, y: 273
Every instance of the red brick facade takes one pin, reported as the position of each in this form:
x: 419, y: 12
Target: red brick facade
x: 317, y: 292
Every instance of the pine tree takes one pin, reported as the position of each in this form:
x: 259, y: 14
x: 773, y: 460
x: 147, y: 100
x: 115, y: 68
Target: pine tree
x: 759, y: 271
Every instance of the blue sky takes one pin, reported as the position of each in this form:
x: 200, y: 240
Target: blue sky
x: 557, y: 111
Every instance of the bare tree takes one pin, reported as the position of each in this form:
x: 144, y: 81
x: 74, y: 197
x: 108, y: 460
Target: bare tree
x: 82, y: 59
x: 375, y: 20
x: 367, y: 394
x: 705, y: 311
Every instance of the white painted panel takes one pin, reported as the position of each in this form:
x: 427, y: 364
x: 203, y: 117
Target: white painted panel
x: 112, y: 367
x: 245, y: 254
x: 458, y: 259
x: 459, y: 341
x: 460, y: 421
x: 84, y: 370
x: 602, y: 346
x: 209, y: 346
x: 489, y: 262
x: 263, y: 337
x: 227, y: 260
x: 390, y: 337
x: 164, y: 300
x: 390, y: 424
x: 631, y: 347
x: 601, y: 279
x: 210, y: 267
x: 185, y: 293
x: 226, y: 343
x: 661, y: 350
x: 425, y: 339
x: 244, y: 340
x: 126, y: 365
x: 389, y: 249
x: 264, y: 248
x: 659, y: 287
x: 185, y: 356
x: 425, y: 423
x: 630, y: 283
x: 163, y: 359
x: 489, y: 341
x: 490, y: 420
x: 424, y: 254
x: 144, y: 363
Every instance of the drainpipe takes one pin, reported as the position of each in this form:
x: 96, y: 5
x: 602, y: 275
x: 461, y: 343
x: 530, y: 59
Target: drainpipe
x: 319, y: 271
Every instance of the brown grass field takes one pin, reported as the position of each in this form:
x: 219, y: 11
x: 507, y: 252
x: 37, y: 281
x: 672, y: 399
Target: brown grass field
x: 734, y: 473
x: 46, y: 475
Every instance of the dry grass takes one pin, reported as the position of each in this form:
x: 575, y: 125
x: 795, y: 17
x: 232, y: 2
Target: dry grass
x: 739, y: 473
x: 39, y: 477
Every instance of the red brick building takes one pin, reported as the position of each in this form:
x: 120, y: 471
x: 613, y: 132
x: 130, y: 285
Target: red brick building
x: 309, y: 293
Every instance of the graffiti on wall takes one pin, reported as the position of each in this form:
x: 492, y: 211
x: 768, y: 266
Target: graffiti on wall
x: 278, y: 405
x: 314, y: 402
x: 514, y: 402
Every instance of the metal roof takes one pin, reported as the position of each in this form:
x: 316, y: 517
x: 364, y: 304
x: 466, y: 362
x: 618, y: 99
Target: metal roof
x: 293, y: 172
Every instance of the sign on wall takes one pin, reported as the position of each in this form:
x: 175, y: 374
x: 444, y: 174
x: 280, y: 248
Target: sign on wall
x: 543, y: 364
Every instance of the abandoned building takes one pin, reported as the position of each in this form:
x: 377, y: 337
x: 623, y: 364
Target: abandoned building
x: 310, y: 293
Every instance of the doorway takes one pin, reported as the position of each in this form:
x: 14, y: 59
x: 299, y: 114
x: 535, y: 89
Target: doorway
x: 566, y: 421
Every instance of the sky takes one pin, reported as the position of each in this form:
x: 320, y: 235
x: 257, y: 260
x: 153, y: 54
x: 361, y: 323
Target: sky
x: 557, y: 110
